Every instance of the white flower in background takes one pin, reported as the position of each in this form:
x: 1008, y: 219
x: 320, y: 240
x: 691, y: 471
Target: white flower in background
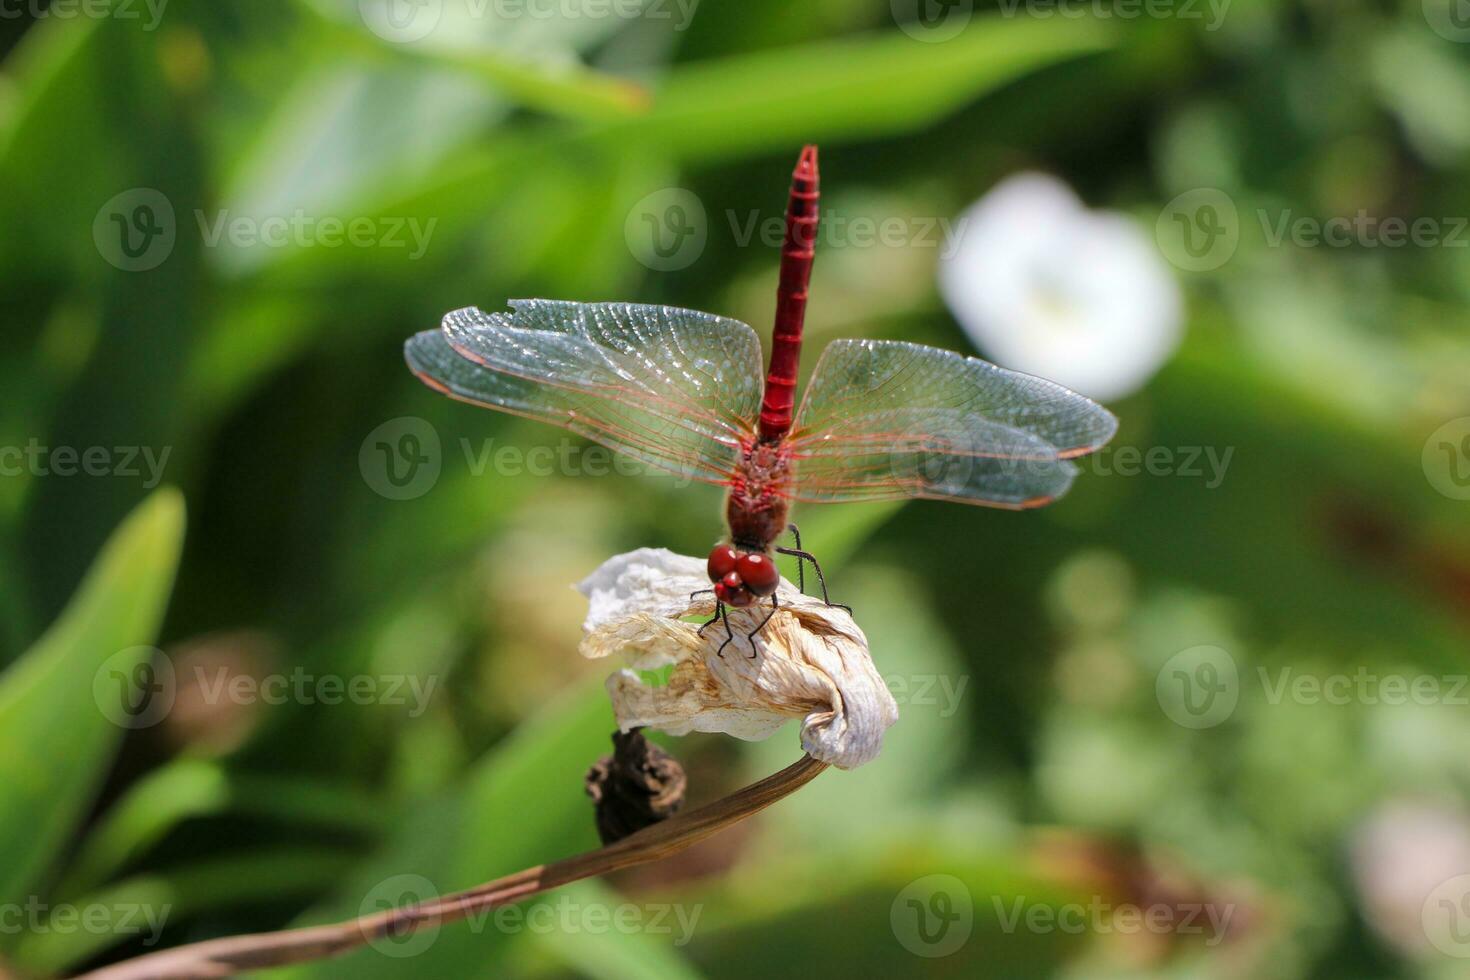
x: 811, y: 661
x: 1403, y: 856
x: 1044, y: 286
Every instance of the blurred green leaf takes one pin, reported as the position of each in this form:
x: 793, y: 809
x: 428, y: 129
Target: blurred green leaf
x: 854, y: 88
x: 521, y: 805
x: 191, y: 788
x: 553, y: 84
x: 848, y: 914
x: 58, y: 740
x: 862, y: 86
x: 138, y: 908
x: 599, y: 948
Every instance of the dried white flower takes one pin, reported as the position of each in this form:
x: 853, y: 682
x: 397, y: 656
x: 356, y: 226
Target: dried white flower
x: 810, y: 661
x: 1045, y: 286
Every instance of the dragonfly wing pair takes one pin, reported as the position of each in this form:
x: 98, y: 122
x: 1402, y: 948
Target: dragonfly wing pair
x: 886, y: 419
x: 675, y: 389
x: 680, y: 390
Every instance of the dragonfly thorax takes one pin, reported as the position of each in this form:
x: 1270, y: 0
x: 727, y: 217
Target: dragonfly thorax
x: 759, y: 498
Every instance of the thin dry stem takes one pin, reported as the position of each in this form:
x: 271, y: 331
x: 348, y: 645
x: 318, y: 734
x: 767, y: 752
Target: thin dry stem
x: 232, y: 955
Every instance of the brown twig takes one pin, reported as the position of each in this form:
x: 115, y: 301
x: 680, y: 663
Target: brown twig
x: 235, y: 954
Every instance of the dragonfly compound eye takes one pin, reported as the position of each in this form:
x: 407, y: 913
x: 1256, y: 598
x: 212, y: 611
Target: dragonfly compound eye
x: 721, y: 562
x: 758, y: 573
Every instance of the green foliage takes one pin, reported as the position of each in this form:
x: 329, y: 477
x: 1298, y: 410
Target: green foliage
x: 58, y: 738
x: 1034, y: 759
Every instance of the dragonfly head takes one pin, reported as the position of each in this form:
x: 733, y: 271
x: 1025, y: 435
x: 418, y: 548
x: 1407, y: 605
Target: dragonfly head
x: 741, y: 577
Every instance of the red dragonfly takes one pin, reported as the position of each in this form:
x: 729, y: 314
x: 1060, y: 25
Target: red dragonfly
x: 681, y: 390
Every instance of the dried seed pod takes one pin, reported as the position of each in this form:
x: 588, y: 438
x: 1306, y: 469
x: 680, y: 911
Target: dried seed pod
x: 637, y: 786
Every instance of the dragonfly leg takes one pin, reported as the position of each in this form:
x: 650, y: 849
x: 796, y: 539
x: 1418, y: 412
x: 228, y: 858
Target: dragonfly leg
x: 800, y: 565
x: 702, y: 592
x: 775, y: 604
x: 802, y: 556
x: 729, y: 633
x: 719, y: 613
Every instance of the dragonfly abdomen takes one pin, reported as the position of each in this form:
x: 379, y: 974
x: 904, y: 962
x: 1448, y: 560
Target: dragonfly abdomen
x: 797, y: 253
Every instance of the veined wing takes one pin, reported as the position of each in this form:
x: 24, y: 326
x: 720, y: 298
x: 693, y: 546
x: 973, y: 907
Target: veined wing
x: 885, y: 420
x: 676, y: 389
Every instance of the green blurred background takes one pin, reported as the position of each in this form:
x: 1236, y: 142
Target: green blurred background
x: 1049, y: 762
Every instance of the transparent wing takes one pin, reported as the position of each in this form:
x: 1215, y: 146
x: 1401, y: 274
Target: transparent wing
x: 676, y: 389
x: 884, y: 420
